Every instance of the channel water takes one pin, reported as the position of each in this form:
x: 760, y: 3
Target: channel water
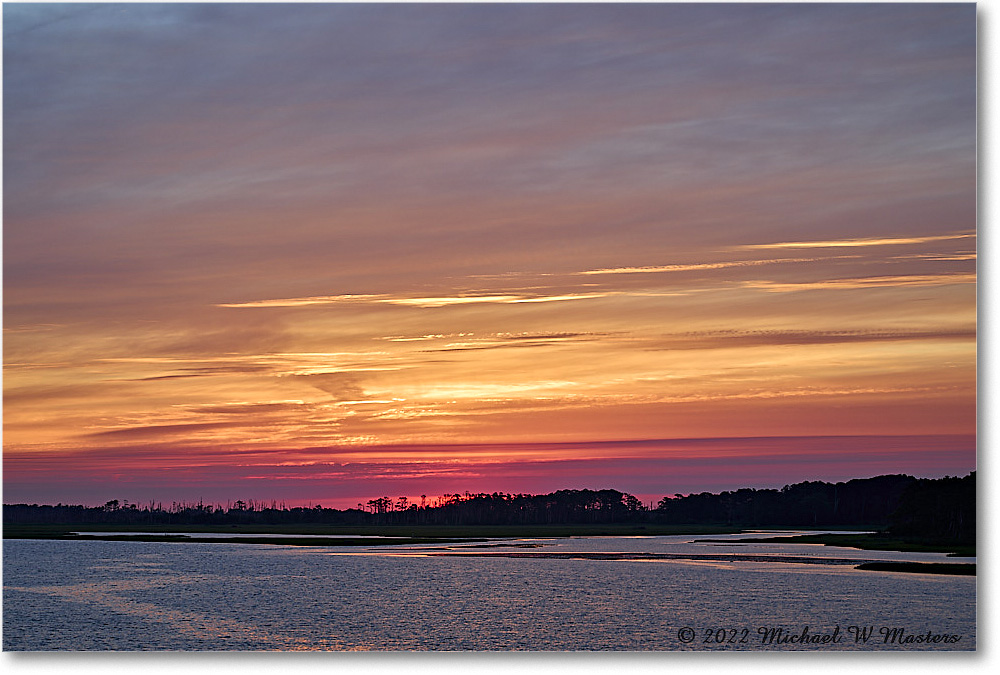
x: 585, y: 593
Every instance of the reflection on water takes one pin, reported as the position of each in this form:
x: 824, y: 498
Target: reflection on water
x: 97, y: 595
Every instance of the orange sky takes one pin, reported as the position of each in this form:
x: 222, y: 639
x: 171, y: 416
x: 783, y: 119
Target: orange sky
x: 484, y: 246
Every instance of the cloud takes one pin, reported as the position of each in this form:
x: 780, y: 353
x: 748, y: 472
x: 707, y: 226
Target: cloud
x: 478, y: 346
x: 506, y: 341
x: 53, y: 393
x: 303, y: 302
x: 853, y: 243
x: 558, y: 337
x: 700, y: 266
x: 248, y: 408
x: 562, y: 298
x: 167, y: 377
x: 423, y: 338
x: 341, y: 386
x: 159, y: 430
x: 421, y: 302
x: 169, y: 165
x: 862, y: 282
x: 210, y: 371
x: 730, y: 339
x: 480, y: 391
x: 958, y: 257
x: 454, y: 300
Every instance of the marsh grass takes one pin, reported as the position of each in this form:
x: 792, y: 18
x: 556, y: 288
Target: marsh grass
x: 961, y: 569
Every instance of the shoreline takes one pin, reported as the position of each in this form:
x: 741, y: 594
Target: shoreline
x: 451, y: 532
x: 865, y: 542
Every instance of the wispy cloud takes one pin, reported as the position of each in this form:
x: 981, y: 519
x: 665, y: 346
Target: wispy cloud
x: 210, y: 371
x: 853, y: 243
x: 477, y: 346
x: 340, y: 386
x: 421, y: 302
x: 452, y: 300
x: 507, y: 340
x: 423, y: 338
x: 303, y: 302
x: 480, y: 391
x: 549, y: 336
x: 958, y: 257
x: 159, y: 430
x: 862, y: 282
x: 249, y: 407
x: 800, y: 392
x: 730, y: 339
x: 700, y: 266
x: 490, y: 298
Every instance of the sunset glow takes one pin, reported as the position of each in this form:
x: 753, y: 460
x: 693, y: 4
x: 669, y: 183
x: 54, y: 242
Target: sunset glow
x: 324, y: 253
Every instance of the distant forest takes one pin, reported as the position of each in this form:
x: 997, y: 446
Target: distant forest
x: 901, y: 505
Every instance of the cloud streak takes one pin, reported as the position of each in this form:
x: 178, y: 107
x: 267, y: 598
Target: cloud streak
x: 862, y: 282
x: 699, y: 266
x: 419, y: 302
x: 736, y: 339
x: 303, y: 302
x: 856, y: 243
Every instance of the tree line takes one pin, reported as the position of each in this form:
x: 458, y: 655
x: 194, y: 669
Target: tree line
x: 900, y: 504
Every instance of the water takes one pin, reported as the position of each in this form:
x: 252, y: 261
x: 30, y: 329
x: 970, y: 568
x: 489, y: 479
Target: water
x: 106, y: 595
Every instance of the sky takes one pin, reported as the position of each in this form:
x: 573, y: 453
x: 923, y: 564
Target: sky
x: 325, y: 253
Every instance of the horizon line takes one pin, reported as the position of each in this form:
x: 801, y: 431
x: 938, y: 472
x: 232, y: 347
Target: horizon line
x: 529, y: 494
